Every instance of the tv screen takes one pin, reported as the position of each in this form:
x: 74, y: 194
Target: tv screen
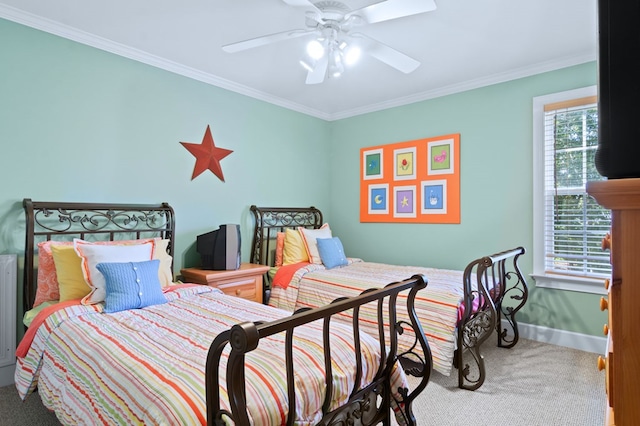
x: 220, y: 249
x: 618, y: 88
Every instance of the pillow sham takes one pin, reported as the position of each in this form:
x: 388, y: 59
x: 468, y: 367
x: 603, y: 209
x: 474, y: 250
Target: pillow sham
x: 332, y: 252
x: 309, y: 237
x: 293, y: 251
x: 131, y: 285
x: 71, y: 283
x: 165, y: 272
x: 92, y: 254
x: 47, y: 285
x: 279, y: 248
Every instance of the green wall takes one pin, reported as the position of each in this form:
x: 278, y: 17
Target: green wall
x: 80, y: 124
x: 495, y: 126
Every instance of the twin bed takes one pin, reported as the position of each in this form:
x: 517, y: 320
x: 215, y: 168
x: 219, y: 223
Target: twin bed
x: 133, y: 347
x: 459, y: 310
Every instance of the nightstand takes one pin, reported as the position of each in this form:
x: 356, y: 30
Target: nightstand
x: 245, y: 282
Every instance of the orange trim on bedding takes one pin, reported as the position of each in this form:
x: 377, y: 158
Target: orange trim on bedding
x: 285, y: 273
x: 25, y: 343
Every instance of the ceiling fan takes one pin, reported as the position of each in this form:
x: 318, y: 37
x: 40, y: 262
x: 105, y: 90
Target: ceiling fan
x: 334, y: 43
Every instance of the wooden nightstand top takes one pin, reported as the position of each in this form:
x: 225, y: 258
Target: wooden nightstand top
x: 199, y: 274
x: 245, y: 282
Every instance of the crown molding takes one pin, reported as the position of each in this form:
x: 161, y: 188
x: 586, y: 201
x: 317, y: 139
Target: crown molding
x: 119, y: 49
x: 467, y: 85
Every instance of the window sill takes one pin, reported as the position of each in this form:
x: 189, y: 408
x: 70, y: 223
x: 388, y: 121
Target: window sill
x: 582, y: 285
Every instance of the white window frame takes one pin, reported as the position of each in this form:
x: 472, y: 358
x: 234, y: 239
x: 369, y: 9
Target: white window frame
x: 582, y: 284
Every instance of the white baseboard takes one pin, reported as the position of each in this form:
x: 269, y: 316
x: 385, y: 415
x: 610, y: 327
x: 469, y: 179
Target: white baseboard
x: 569, y: 339
x: 7, y: 374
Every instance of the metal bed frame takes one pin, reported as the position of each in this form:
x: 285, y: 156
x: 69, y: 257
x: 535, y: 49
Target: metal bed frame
x: 488, y: 282
x: 366, y: 406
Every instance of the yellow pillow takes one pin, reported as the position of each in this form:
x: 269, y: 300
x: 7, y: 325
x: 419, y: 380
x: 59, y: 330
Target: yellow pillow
x: 294, y: 250
x: 69, y: 273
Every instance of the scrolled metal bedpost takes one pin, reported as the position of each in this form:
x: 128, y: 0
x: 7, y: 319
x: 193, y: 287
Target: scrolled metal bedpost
x: 483, y: 315
x: 424, y: 365
x: 518, y: 291
x: 29, y: 293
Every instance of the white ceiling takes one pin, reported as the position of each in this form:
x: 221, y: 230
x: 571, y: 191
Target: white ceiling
x: 461, y: 45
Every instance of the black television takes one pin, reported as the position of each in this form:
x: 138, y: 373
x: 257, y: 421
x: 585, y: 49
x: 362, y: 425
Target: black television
x: 220, y: 249
x: 618, y: 88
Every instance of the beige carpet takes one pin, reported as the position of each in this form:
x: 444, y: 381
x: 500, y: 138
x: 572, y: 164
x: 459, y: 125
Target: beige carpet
x: 531, y: 384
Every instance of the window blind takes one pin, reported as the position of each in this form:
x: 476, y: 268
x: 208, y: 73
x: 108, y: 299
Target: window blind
x: 574, y: 222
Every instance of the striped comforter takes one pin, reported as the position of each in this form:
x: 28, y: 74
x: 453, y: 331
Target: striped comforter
x: 146, y: 366
x: 437, y: 306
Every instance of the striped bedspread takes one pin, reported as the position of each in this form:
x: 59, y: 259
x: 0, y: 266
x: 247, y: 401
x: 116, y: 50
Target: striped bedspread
x: 146, y: 366
x: 437, y: 305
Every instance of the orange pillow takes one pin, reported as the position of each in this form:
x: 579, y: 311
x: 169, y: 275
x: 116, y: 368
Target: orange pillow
x: 279, y: 248
x: 48, y: 288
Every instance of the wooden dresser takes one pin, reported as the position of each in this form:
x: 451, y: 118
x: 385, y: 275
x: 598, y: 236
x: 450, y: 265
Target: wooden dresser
x: 622, y: 363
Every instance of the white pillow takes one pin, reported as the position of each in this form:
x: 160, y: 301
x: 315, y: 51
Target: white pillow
x: 165, y: 273
x: 92, y: 254
x: 309, y: 237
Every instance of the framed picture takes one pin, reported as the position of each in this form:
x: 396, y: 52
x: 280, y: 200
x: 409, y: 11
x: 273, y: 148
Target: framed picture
x: 440, y: 157
x: 404, y: 198
x: 434, y: 197
x: 379, y: 198
x: 404, y: 167
x: 415, y: 181
x: 373, y: 164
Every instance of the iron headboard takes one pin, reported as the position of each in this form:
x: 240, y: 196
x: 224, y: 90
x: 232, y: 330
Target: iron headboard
x: 91, y: 221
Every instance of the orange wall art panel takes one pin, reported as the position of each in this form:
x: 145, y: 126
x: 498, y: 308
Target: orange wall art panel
x: 416, y: 181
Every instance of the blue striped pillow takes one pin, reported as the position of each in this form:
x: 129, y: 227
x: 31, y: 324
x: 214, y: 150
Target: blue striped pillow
x: 131, y: 285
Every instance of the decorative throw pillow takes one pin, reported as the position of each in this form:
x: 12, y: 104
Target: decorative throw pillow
x: 309, y: 237
x: 165, y: 272
x: 92, y: 254
x: 70, y: 280
x: 331, y: 252
x: 131, y: 285
x: 279, y: 248
x: 48, y: 288
x: 293, y: 251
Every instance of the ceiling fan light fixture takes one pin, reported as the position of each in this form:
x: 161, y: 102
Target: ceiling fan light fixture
x: 352, y: 55
x: 335, y: 71
x: 315, y: 49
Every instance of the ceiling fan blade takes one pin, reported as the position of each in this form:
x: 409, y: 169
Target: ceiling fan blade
x: 392, y: 9
x: 303, y: 3
x: 263, y: 40
x: 386, y: 54
x: 318, y: 73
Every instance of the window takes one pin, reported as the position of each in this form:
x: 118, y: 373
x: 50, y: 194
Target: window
x: 568, y: 223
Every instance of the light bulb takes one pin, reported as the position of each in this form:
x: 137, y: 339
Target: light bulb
x: 315, y: 49
x: 352, y: 55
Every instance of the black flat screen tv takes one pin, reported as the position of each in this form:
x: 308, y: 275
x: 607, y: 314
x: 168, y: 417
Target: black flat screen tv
x: 618, y: 88
x: 220, y: 249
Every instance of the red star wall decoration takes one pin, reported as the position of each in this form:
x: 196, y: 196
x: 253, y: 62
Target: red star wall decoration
x: 207, y: 154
